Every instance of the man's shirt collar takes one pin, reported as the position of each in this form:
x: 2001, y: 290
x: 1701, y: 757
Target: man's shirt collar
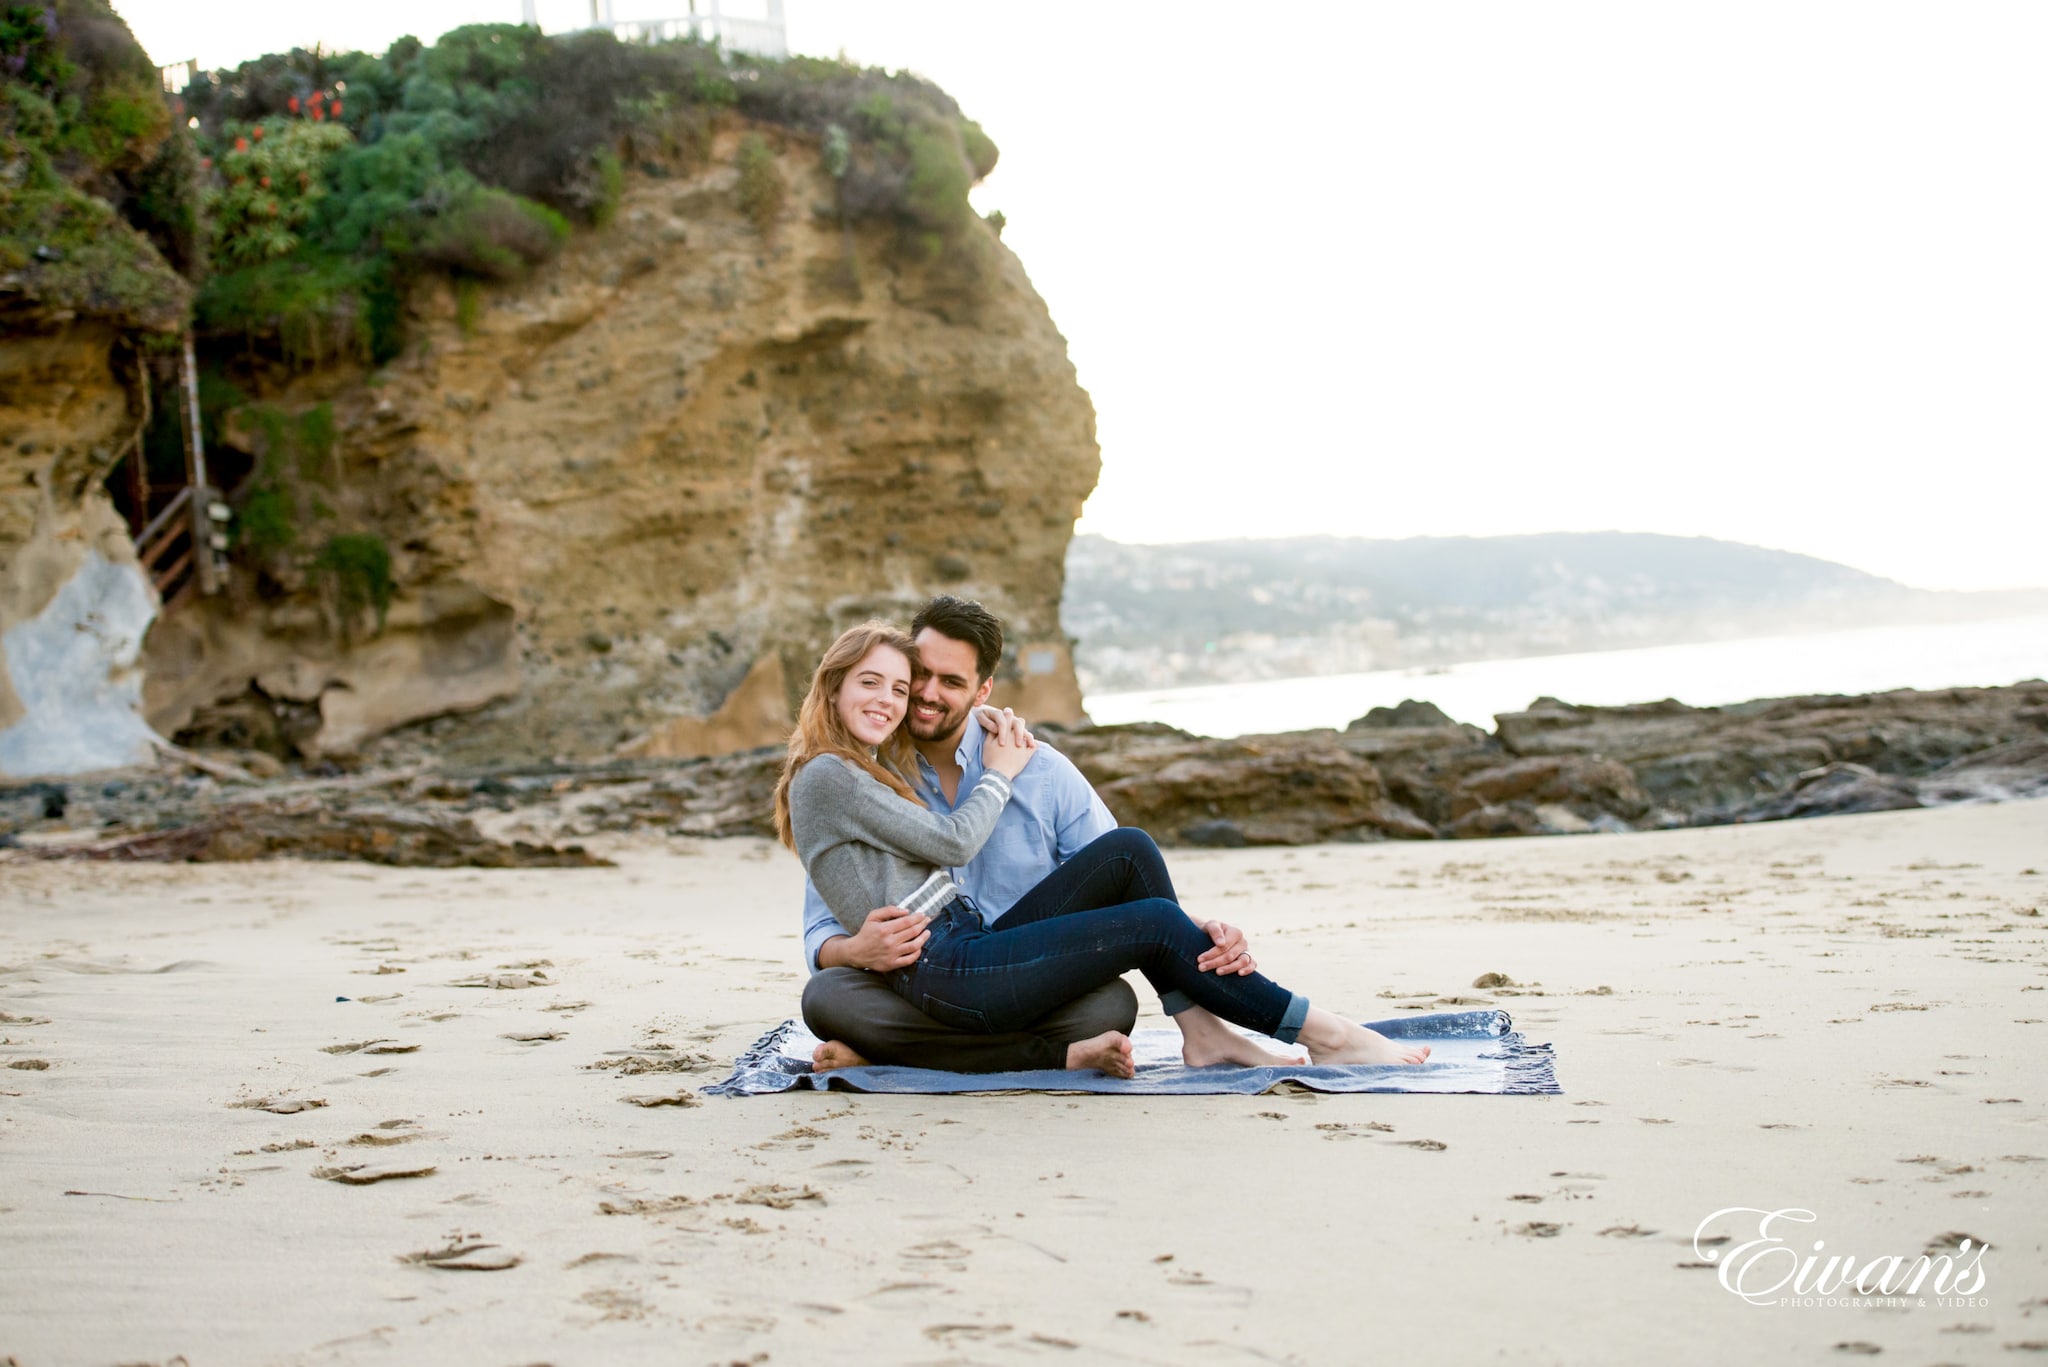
x: 967, y: 755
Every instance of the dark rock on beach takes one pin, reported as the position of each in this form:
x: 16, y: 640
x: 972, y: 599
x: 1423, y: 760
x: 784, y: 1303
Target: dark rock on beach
x: 1408, y: 713
x: 405, y: 839
x: 1834, y: 790
x: 1293, y: 789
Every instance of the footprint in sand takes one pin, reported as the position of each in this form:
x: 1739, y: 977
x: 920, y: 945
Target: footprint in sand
x: 950, y: 1334
x: 684, y: 1098
x: 1539, y: 1229
x: 363, y: 1174
x: 465, y: 1256
x: 645, y: 1205
x: 775, y: 1196
x: 534, y: 1036
x: 1427, y: 1145
x: 506, y: 979
x: 938, y: 1253
x: 371, y: 1046
x: 31, y: 1065
x: 1361, y: 1129
x: 629, y: 1063
x: 292, y: 1106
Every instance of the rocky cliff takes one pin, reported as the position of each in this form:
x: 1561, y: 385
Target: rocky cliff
x: 86, y: 166
x: 73, y: 603
x: 679, y: 457
x: 574, y: 392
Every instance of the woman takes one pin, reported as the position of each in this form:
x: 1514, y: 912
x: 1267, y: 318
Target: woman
x: 843, y: 806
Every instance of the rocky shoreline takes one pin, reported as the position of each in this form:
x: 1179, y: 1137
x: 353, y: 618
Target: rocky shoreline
x: 1407, y: 773
x: 1560, y: 769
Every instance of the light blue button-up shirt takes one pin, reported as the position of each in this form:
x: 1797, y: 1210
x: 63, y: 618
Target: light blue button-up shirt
x: 1053, y: 812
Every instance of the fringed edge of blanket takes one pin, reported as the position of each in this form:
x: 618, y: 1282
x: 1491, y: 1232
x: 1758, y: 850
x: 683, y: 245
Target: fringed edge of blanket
x: 1489, y: 1023
x: 1528, y: 1069
x: 764, y: 1055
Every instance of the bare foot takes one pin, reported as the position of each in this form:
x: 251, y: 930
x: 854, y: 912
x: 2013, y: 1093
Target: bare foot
x: 832, y: 1054
x: 1332, y: 1039
x: 1110, y: 1052
x: 1206, y: 1041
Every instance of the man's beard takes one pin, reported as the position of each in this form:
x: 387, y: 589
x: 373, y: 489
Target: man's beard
x: 948, y: 723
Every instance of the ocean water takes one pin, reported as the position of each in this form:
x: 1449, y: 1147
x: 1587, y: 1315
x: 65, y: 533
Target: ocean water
x: 1864, y: 660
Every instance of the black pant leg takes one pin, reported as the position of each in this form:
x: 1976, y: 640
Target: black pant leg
x: 1112, y: 1006
x: 858, y: 1009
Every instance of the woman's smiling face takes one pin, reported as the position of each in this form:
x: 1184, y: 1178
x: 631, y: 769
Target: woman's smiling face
x: 872, y: 698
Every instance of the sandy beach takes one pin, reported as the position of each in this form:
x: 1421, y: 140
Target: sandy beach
x: 1837, y: 1015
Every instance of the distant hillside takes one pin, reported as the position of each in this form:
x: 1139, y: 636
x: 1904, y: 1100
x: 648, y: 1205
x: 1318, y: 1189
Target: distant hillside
x: 1157, y: 616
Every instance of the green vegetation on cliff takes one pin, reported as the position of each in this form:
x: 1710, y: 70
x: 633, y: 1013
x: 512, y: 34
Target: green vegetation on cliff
x: 90, y: 171
x: 337, y: 179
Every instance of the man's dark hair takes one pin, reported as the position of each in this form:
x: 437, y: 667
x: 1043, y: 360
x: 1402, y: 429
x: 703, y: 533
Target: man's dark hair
x: 964, y: 621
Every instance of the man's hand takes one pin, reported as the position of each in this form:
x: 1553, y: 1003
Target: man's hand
x: 890, y: 938
x: 1230, y: 955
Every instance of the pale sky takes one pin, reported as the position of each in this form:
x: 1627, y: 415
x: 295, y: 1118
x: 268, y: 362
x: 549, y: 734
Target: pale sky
x: 1772, y: 272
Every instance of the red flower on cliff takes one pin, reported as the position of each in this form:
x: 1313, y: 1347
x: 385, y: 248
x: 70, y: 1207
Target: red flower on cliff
x: 292, y: 104
x: 257, y: 132
x: 241, y: 144
x: 335, y: 109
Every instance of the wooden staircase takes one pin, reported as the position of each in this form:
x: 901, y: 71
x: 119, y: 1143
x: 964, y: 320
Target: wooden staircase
x: 183, y: 547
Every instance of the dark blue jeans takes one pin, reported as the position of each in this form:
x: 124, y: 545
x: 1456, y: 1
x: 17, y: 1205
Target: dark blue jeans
x: 1108, y: 910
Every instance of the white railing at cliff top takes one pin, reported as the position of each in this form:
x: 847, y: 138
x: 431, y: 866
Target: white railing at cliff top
x: 767, y: 37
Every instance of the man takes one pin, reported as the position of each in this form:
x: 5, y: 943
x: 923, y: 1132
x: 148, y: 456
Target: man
x: 1052, y: 813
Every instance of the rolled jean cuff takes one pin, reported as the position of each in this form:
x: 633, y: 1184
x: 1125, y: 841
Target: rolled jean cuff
x: 1174, y: 1002
x: 1291, y: 1023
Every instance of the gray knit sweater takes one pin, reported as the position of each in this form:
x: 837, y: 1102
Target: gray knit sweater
x: 866, y: 847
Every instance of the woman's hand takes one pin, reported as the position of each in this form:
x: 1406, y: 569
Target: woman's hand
x: 1230, y: 956
x: 1009, y: 744
x: 997, y: 721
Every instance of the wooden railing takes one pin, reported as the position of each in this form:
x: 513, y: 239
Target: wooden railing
x: 766, y: 37
x: 183, y: 546
x: 178, y: 75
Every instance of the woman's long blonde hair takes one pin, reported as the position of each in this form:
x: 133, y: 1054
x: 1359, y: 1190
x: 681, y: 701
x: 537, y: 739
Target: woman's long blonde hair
x: 821, y: 731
